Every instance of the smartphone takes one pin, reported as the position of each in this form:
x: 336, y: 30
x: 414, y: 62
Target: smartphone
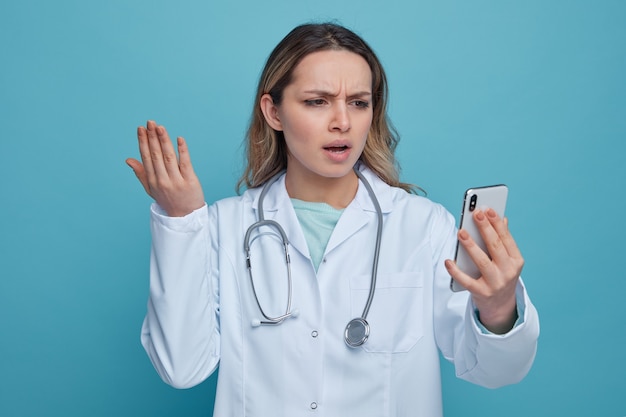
x: 494, y: 197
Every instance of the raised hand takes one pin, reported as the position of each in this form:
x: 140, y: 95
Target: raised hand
x: 494, y: 291
x: 169, y: 180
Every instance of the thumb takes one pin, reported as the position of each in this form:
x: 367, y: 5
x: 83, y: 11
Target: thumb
x: 140, y: 173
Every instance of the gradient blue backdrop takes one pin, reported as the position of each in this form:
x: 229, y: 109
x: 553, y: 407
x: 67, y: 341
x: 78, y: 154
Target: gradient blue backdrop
x: 529, y: 93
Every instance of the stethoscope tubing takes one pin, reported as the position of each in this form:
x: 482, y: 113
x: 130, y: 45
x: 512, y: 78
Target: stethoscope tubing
x: 357, y: 331
x: 285, y: 241
x: 379, y: 233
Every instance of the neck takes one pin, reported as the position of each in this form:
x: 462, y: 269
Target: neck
x: 336, y: 192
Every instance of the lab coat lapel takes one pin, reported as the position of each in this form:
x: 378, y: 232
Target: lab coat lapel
x: 352, y: 219
x: 361, y: 210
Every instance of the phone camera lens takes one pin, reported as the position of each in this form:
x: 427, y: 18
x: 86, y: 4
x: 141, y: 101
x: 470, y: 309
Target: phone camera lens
x: 472, y: 205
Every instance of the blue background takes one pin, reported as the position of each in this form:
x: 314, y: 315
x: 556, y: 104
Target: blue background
x: 532, y: 94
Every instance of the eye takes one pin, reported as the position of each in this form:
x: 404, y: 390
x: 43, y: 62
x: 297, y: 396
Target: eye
x: 361, y: 104
x: 315, y: 102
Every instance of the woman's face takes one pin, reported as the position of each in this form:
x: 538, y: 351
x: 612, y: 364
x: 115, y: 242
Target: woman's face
x: 325, y: 114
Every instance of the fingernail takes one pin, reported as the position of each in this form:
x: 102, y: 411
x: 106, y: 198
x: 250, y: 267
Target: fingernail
x: 480, y: 215
x: 463, y: 235
x: 491, y: 213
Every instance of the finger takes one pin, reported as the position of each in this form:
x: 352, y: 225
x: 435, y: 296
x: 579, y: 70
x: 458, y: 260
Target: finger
x: 144, y: 151
x: 184, y: 161
x: 170, y: 160
x: 502, y: 229
x: 140, y: 172
x: 473, y: 285
x: 476, y: 253
x: 493, y: 241
x: 156, y: 154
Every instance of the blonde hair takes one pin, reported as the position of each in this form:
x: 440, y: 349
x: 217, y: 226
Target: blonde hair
x: 266, y: 151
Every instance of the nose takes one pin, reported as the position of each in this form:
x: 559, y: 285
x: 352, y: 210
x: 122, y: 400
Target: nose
x: 340, y: 118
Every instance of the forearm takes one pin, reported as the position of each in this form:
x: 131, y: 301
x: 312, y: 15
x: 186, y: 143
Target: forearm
x: 180, y: 331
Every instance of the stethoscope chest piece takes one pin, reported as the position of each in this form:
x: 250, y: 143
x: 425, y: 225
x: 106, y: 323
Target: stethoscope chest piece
x: 356, y: 333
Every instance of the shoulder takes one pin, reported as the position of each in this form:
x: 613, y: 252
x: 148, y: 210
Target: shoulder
x: 413, y: 206
x: 237, y: 202
x: 397, y: 199
x: 401, y: 205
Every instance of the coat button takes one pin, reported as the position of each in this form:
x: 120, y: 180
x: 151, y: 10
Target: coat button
x: 313, y: 405
x: 314, y: 333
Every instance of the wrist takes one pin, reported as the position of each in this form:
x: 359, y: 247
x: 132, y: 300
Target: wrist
x: 500, y: 320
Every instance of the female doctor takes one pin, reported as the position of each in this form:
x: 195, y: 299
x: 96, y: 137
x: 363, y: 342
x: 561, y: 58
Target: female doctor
x: 324, y: 288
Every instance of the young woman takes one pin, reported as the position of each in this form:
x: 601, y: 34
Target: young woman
x: 324, y: 287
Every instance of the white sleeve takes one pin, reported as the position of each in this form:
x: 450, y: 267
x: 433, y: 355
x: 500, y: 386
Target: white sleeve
x: 485, y: 359
x: 180, y: 332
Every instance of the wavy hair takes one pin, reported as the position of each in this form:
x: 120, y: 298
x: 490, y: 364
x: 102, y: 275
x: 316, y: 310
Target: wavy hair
x: 266, y: 150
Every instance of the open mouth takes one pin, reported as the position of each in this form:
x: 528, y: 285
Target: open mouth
x: 336, y: 148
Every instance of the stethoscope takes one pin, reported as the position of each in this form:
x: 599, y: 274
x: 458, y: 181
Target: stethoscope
x: 358, y: 329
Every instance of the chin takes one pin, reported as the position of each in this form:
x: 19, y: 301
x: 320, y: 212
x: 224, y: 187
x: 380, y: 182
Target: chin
x: 338, y: 172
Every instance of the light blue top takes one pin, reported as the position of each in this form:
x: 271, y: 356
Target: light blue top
x: 317, y: 221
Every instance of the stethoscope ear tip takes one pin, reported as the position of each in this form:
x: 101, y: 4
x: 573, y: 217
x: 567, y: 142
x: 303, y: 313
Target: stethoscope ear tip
x: 295, y: 313
x: 256, y: 323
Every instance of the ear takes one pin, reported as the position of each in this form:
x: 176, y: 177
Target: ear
x: 270, y: 112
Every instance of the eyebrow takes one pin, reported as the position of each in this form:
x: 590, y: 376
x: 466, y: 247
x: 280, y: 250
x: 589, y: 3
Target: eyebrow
x: 328, y: 93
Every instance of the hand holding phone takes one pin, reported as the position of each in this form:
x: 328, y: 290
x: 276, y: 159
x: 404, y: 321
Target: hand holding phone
x: 494, y: 197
